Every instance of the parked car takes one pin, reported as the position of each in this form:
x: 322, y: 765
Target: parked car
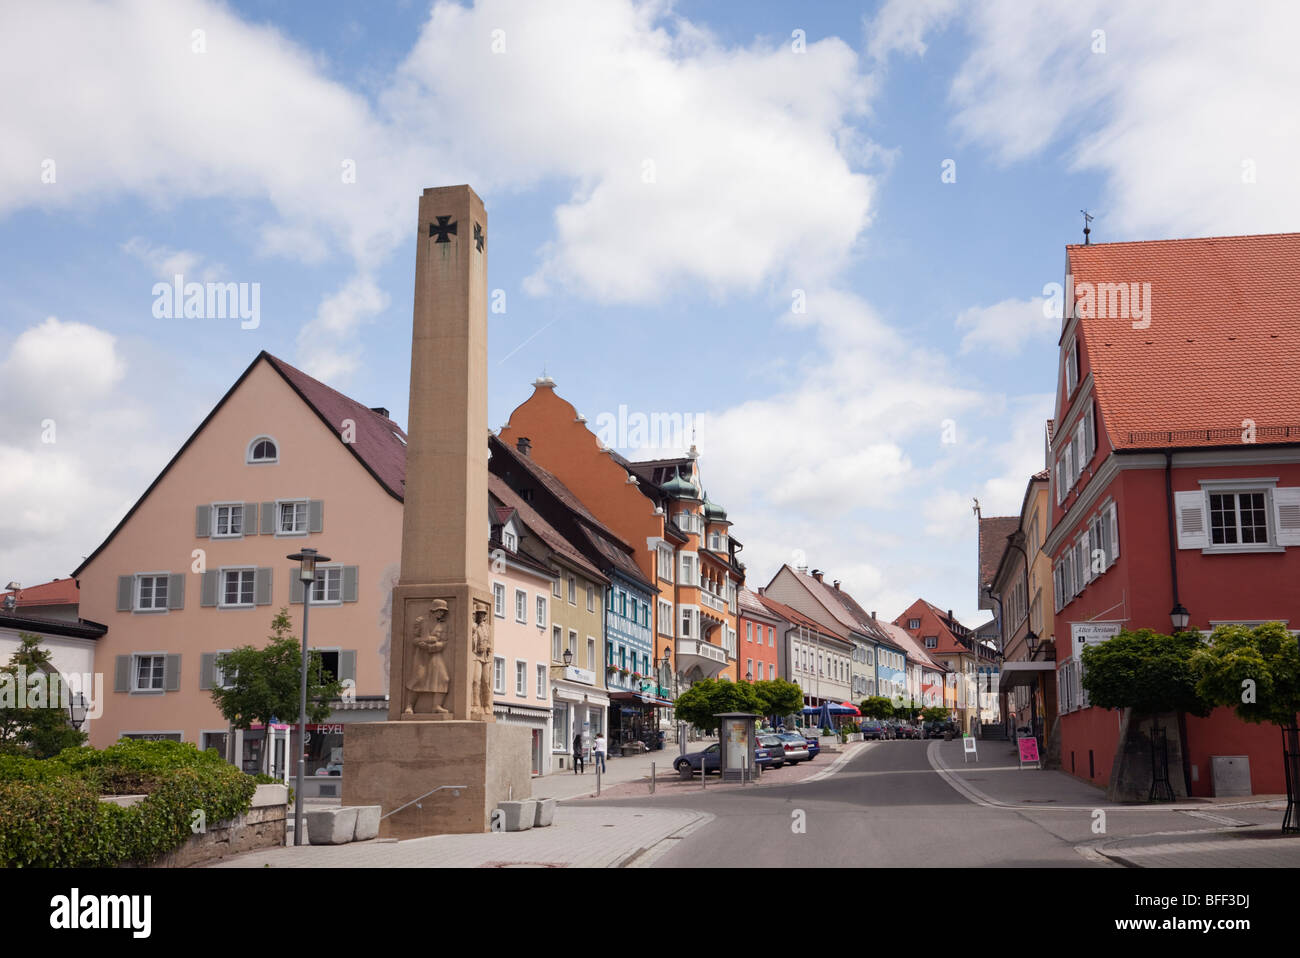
x: 796, y: 748
x: 937, y: 729
x: 769, y: 750
x: 814, y: 744
x: 908, y: 730
x: 872, y: 729
x: 710, y: 759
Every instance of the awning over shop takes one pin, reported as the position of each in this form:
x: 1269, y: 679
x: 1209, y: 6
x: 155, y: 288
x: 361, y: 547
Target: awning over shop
x: 1022, y: 673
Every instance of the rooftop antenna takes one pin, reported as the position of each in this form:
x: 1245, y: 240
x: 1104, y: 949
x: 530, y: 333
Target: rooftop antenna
x: 1087, y: 218
x: 976, y: 508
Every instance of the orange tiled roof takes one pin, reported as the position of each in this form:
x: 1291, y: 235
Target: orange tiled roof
x: 1223, y: 344
x: 57, y: 592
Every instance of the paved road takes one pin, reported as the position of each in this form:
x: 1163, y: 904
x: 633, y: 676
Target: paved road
x: 885, y: 807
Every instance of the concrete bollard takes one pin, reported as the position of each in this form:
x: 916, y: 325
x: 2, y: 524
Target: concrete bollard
x: 545, y: 814
x: 520, y: 815
x: 331, y: 826
x: 367, y: 826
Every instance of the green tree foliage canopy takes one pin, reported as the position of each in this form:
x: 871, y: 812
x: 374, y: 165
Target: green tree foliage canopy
x: 934, y: 713
x: 778, y: 696
x: 1146, y: 671
x: 37, y: 732
x: 265, y: 682
x: 877, y: 707
x: 1254, y: 670
x: 708, y: 697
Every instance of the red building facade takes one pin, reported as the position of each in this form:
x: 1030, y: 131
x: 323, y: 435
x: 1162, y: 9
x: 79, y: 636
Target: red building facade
x: 1175, y: 468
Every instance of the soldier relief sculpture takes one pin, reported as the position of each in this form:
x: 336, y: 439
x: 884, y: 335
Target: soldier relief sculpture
x: 482, y: 649
x: 429, y: 678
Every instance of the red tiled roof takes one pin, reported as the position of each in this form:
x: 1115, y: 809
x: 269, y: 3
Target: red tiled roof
x: 541, y: 528
x: 379, y: 442
x: 795, y: 617
x: 993, y: 534
x: 911, y: 646
x: 1223, y: 344
x: 56, y: 592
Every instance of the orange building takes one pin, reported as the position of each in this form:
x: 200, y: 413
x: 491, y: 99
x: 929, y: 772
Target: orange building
x: 683, y: 541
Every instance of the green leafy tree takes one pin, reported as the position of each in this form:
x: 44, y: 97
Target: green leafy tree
x: 707, y: 697
x: 37, y: 732
x: 778, y: 697
x: 266, y: 682
x: 934, y: 713
x: 1256, y: 671
x: 1146, y: 671
x: 877, y: 707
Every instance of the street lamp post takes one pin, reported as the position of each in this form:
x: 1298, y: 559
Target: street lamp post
x: 306, y: 560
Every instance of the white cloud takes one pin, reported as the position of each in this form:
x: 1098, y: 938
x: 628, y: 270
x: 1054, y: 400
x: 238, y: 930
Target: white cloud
x: 326, y: 342
x: 166, y: 263
x: 901, y: 25
x: 1006, y: 327
x: 1186, y: 100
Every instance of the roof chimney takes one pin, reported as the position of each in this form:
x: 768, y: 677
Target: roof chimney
x: 817, y: 574
x: 837, y: 585
x: 525, y: 445
x: 381, y: 410
x: 873, y: 615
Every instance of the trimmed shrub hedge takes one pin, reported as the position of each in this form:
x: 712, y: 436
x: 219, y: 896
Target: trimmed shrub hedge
x: 51, y: 815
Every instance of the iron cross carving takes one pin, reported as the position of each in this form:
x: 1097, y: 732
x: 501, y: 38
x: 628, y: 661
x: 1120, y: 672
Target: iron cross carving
x: 479, y: 237
x: 441, y: 229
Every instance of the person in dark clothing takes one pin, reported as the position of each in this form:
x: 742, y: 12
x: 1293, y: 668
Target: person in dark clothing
x: 577, y: 755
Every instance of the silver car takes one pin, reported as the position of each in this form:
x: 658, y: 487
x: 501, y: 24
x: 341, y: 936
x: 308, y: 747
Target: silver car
x: 796, y: 749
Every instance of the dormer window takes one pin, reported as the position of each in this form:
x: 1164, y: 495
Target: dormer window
x: 1071, y: 369
x: 263, y: 449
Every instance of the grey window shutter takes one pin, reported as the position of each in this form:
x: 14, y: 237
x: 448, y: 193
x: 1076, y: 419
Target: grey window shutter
x: 176, y: 590
x: 349, y: 583
x: 315, y: 515
x: 208, y: 596
x: 295, y: 588
x: 207, y: 667
x: 125, y: 593
x: 122, y: 676
x: 348, y: 665
x: 172, y: 673
x: 262, y: 586
x: 250, y: 519
x: 202, y: 521
x: 268, y: 518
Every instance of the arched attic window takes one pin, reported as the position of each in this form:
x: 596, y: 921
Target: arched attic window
x: 263, y: 449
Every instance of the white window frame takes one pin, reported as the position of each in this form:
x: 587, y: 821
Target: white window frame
x: 499, y: 599
x: 573, y: 590
x: 248, y: 451
x: 666, y: 563
x: 667, y: 623
x: 573, y: 644
x: 135, y: 673
x: 499, y: 674
x: 1238, y: 488
x: 543, y: 682
x: 521, y: 606
x: 521, y: 678
x: 136, y: 587
x: 240, y: 570
x: 324, y: 573
x: 279, y: 517
x: 216, y: 521
x: 555, y: 587
x: 219, y: 674
x: 591, y: 652
x: 541, y: 611
x: 557, y: 644
x: 591, y: 598
x: 509, y: 540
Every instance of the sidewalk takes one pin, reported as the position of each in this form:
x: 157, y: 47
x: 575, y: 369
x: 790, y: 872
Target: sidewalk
x: 1237, y: 832
x: 589, y: 836
x: 565, y: 784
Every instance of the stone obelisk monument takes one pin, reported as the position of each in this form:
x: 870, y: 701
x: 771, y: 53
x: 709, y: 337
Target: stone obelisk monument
x: 441, y: 730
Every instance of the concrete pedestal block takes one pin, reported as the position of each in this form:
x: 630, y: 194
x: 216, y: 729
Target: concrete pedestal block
x: 331, y: 826
x: 395, y: 764
x: 545, y: 812
x: 518, y: 816
x: 367, y: 823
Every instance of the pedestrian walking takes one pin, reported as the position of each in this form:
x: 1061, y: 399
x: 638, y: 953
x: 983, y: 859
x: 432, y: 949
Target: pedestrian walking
x: 577, y: 755
x: 599, y: 760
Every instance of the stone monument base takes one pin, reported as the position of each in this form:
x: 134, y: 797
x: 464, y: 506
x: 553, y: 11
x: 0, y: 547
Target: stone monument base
x: 393, y: 763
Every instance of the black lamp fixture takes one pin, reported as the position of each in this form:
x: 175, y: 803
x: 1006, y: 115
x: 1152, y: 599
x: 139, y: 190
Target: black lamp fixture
x: 77, y: 710
x: 1033, y: 642
x: 749, y: 676
x: 1179, y: 616
x: 568, y: 657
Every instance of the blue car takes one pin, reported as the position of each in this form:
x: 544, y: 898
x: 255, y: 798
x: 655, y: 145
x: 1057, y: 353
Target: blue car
x: 814, y: 746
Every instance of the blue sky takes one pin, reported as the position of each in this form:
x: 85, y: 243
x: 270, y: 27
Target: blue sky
x: 778, y: 173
